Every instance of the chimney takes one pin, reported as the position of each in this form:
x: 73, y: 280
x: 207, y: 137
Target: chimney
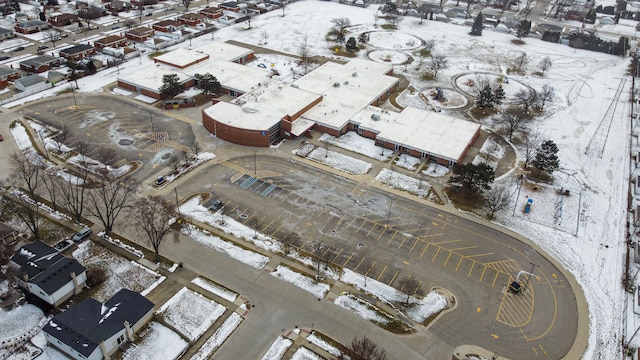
x: 77, y: 289
x: 105, y: 353
x: 129, y: 331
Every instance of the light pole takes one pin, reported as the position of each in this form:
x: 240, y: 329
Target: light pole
x: 151, y: 119
x: 255, y: 164
x: 73, y: 92
x: 389, y: 212
x: 533, y: 265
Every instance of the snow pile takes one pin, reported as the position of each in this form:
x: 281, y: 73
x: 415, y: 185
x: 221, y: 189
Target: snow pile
x: 277, y: 349
x: 218, y: 338
x: 215, y: 289
x: 407, y: 162
x: 190, y: 313
x: 362, y: 308
x: 305, y: 354
x: 306, y: 283
x: 121, y: 245
x: 435, y: 170
x: 353, y: 142
x: 432, y: 304
x: 157, y: 342
x: 338, y: 161
x: 403, y: 182
x: 319, y: 342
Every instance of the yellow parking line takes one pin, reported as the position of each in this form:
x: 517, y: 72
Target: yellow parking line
x: 463, y: 248
x: 402, y: 243
x: 394, y: 277
x: 383, y: 270
x: 534, y: 350
x: 369, y: 269
x: 425, y: 249
x: 405, y: 282
x: 394, y: 235
x: 486, y: 254
x: 384, y: 230
x: 345, y: 263
x: 430, y: 235
x: 446, y: 242
x: 413, y: 246
x: 471, y: 269
x: 361, y: 225
x: 305, y: 243
x: 276, y: 230
x: 446, y: 261
x: 357, y: 266
x: 334, y: 259
x: 483, y: 271
x: 459, y: 262
x: 326, y: 251
x: 350, y: 222
x: 373, y: 227
x: 266, y: 227
x: 434, y: 256
x: 494, y: 279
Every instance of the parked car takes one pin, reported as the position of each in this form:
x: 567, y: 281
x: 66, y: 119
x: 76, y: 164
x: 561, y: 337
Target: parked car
x: 1, y: 138
x: 81, y: 235
x: 5, y: 57
x: 41, y: 48
x: 19, y: 48
x: 216, y: 206
x: 148, y: 14
x: 63, y: 245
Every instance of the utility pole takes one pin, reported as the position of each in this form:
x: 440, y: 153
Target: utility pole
x: 255, y: 164
x: 389, y: 212
x: 533, y: 265
x: 151, y: 119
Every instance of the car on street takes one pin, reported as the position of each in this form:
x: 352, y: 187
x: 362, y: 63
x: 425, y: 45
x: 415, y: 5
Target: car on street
x: 19, y: 48
x: 63, y: 245
x: 81, y: 235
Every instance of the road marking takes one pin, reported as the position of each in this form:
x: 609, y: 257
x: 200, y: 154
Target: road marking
x: 434, y: 256
x: 345, y: 263
x: 381, y: 234
x: 554, y: 276
x: 373, y: 227
x: 478, y: 310
x: 364, y: 221
x: 471, y: 269
x: 463, y: 248
x: 445, y: 242
x: 413, y: 246
x: 425, y: 249
x: 305, y: 243
x: 393, y: 236
x: 278, y: 228
x: 357, y: 266
x: 402, y: 243
x: 446, y: 261
x: 534, y: 350
x: 266, y: 227
x: 430, y: 235
x: 486, y: 254
x: 495, y: 336
x: 394, y: 277
x: 369, y: 269
x: 483, y: 271
x: 406, y: 262
x: 496, y: 278
x: 383, y: 270
x: 459, y: 262
x: 339, y: 253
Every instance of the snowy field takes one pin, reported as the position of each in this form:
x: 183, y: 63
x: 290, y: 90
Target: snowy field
x: 119, y: 273
x: 190, y: 313
x: 403, y: 182
x: 157, y: 342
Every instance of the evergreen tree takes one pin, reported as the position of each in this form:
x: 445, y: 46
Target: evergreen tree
x: 546, y: 158
x: 363, y: 38
x: 485, y: 98
x: 351, y: 44
x: 340, y: 38
x: 472, y: 177
x: 207, y: 83
x: 170, y: 86
x: 523, y: 29
x: 476, y: 28
x: 498, y: 95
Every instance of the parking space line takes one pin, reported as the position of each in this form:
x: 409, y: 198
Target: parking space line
x: 278, y: 228
x: 305, y: 243
x: 459, y: 262
x: 413, y: 246
x: 357, y: 266
x: 494, y: 279
x: 471, y: 269
x: 393, y: 236
x: 486, y: 254
x: 446, y: 261
x: 394, y: 277
x: 324, y: 254
x: 382, y: 272
x: 436, y: 255
x: 430, y: 235
x: 483, y: 271
x: 364, y: 221
x: 446, y: 242
x: 241, y: 213
x: 369, y: 269
x: 425, y: 249
x: 266, y: 227
x: 384, y: 231
x: 373, y: 227
x: 339, y: 253
x: 405, y: 282
x: 463, y: 248
x: 402, y: 242
x: 234, y: 208
x: 349, y: 258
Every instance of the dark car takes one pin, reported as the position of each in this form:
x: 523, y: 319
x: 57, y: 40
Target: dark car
x: 216, y: 206
x: 42, y: 47
x: 1, y: 138
x: 5, y: 57
x: 19, y: 48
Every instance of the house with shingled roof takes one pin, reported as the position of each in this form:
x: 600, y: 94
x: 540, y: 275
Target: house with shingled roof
x: 92, y: 330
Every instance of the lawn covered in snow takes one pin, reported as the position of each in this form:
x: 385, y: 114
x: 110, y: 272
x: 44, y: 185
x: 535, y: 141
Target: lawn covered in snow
x: 334, y: 159
x: 218, y: 338
x: 156, y: 342
x: 18, y: 321
x: 190, y: 313
x: 277, y: 349
x: 317, y: 288
x: 215, y: 289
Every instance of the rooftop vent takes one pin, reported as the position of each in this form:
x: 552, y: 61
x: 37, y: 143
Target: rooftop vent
x: 355, y: 74
x: 336, y: 84
x: 375, y: 117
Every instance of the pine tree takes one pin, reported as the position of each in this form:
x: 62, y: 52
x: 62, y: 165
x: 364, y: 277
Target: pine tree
x: 351, y: 44
x: 476, y: 28
x: 498, y: 95
x: 546, y: 158
x: 523, y: 29
x: 472, y: 177
x: 485, y: 98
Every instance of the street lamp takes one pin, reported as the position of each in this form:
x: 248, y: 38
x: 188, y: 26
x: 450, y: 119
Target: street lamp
x: 389, y: 212
x: 73, y: 92
x: 255, y: 164
x: 151, y: 119
x: 533, y: 265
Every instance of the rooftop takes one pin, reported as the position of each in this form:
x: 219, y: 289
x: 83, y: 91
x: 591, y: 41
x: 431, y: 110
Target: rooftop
x: 152, y: 80
x: 181, y: 57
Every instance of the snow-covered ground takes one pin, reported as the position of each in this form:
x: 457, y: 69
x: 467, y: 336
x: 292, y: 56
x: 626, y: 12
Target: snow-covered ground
x: 157, y: 342
x: 190, y: 313
x: 218, y: 337
x: 313, y: 286
x: 277, y: 349
x: 215, y: 289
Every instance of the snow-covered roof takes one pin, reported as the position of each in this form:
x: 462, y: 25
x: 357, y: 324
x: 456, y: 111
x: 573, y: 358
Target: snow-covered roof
x: 223, y: 51
x: 253, y: 117
x: 181, y: 57
x: 151, y: 80
x: 346, y: 89
x: 232, y: 75
x: 422, y: 130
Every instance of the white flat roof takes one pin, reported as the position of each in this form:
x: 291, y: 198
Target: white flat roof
x: 232, y: 75
x: 422, y: 130
x: 223, y: 51
x: 151, y: 80
x: 347, y: 89
x: 244, y: 117
x: 182, y: 57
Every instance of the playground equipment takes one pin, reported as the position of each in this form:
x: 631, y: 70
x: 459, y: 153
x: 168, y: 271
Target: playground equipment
x: 527, y: 207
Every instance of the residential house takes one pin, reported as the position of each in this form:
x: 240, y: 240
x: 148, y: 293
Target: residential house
x: 46, y: 273
x: 139, y: 34
x: 167, y: 26
x: 6, y: 34
x: 77, y: 52
x: 138, y: 3
x: 113, y: 41
x: 7, y: 234
x: 93, y: 330
x: 190, y: 19
x: 65, y: 19
x: 40, y: 64
x: 232, y: 6
x: 212, y: 12
x: 117, y: 6
x: 7, y: 75
x: 31, y: 26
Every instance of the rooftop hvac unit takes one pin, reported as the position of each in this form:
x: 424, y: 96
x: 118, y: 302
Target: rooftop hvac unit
x: 355, y: 74
x: 346, y: 83
x: 294, y: 86
x: 336, y: 84
x: 375, y: 117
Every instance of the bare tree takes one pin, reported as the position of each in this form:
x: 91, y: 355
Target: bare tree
x: 155, y: 216
x: 496, y: 199
x: 429, y: 45
x: 512, y: 120
x: 306, y: 60
x: 438, y: 62
x: 547, y: 95
x: 72, y: 195
x: 530, y: 145
x: 26, y: 172
x: 27, y: 209
x: 412, y: 287
x: 108, y: 200
x: 53, y: 35
x: 341, y: 23
x: 521, y: 61
x: 52, y: 185
x: 196, y: 149
x: 186, y: 4
x: 248, y: 18
x: 365, y: 349
x: 64, y: 133
x: 265, y: 36
x: 527, y: 8
x: 283, y: 6
x: 107, y: 157
x: 545, y: 64
x: 175, y: 162
x: 393, y: 20
x: 187, y: 157
x: 526, y: 98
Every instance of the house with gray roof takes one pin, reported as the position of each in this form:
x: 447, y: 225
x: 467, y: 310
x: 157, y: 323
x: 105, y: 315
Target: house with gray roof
x: 7, y: 75
x: 93, y: 330
x: 30, y: 82
x: 40, y: 64
x: 47, y: 274
x: 6, y: 33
